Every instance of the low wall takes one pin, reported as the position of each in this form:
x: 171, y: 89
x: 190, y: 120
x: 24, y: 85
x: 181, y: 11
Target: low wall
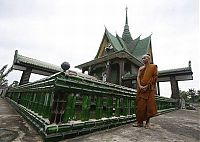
x: 66, y: 105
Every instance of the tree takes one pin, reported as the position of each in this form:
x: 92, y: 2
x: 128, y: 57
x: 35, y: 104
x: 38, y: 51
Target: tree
x: 198, y: 95
x: 3, y: 75
x: 184, y: 95
x: 192, y: 93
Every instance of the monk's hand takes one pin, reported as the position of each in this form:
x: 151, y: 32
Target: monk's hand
x: 143, y: 88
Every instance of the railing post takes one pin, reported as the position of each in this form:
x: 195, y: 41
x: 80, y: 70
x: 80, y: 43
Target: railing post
x: 85, y: 114
x: 99, y: 107
x: 69, y: 107
x: 125, y: 106
x: 41, y: 103
x: 117, y: 107
x: 132, y: 106
x: 110, y: 106
x: 48, y: 104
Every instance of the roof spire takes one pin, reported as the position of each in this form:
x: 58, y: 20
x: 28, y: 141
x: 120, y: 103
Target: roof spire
x: 126, y: 36
x: 126, y: 16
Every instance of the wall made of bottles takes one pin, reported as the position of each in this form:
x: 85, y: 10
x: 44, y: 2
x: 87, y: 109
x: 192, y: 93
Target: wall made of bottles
x: 68, y: 97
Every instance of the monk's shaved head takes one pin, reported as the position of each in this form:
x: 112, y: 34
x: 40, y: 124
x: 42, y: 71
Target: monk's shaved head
x: 146, y: 55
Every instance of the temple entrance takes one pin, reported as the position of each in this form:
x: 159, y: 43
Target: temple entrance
x: 114, y: 73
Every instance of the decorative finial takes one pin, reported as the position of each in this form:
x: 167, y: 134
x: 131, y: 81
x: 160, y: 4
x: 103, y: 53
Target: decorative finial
x: 105, y: 27
x: 189, y: 64
x: 126, y: 36
x: 65, y: 66
x: 126, y: 15
x: 16, y: 51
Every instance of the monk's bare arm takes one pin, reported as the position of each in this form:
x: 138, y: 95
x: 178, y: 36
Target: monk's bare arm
x: 138, y: 77
x: 156, y: 74
x: 154, y: 77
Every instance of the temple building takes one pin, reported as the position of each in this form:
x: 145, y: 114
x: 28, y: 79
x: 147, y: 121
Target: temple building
x: 118, y: 56
x: 117, y: 61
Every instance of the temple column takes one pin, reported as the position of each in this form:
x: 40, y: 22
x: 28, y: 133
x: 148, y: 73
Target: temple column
x: 25, y: 76
x: 89, y: 70
x: 158, y: 89
x: 108, y: 79
x: 174, y: 87
x: 121, y: 71
x: 83, y: 70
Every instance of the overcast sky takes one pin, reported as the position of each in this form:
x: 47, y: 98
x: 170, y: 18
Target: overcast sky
x: 71, y: 30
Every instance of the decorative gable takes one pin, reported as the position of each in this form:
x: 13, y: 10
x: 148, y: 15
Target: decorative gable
x: 109, y: 44
x: 103, y: 45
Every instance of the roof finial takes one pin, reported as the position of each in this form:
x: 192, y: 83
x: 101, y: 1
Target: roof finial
x: 126, y: 15
x: 126, y: 36
x: 189, y: 64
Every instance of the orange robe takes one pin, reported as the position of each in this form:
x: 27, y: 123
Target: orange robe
x: 145, y: 101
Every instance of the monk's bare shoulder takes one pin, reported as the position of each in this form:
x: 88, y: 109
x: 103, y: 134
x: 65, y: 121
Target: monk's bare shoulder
x: 155, y: 66
x: 141, y: 68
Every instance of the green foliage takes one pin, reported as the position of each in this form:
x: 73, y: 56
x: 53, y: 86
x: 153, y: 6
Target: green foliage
x: 3, y: 75
x: 184, y: 95
x: 191, y: 95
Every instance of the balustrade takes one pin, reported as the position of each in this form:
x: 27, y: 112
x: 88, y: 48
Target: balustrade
x: 71, y: 104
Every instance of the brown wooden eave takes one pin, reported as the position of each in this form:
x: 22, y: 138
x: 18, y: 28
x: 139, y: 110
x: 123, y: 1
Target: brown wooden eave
x: 118, y: 54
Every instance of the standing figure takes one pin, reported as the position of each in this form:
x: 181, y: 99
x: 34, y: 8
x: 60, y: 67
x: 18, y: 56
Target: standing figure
x: 146, y: 90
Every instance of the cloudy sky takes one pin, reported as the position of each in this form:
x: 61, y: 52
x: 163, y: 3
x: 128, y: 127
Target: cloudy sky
x: 61, y: 30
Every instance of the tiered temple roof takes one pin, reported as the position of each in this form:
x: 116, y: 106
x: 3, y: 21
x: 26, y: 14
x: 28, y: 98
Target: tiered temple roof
x: 132, y: 48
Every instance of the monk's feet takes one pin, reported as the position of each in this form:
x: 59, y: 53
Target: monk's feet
x: 148, y: 126
x: 138, y: 125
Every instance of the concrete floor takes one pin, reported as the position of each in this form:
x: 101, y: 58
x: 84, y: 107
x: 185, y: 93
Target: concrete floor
x: 177, y: 126
x: 13, y: 128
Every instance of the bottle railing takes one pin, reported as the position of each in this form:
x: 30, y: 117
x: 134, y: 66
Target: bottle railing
x: 66, y: 97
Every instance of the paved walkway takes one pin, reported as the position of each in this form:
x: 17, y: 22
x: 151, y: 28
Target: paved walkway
x: 177, y: 126
x: 13, y: 128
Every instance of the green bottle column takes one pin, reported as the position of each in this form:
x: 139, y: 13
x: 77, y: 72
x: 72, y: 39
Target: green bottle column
x: 41, y: 103
x: 99, y: 107
x: 38, y: 99
x: 30, y: 100
x: 125, y: 106
x: 85, y: 114
x: 109, y: 107
x: 117, y: 107
x: 34, y: 102
x: 69, y: 112
x: 47, y: 104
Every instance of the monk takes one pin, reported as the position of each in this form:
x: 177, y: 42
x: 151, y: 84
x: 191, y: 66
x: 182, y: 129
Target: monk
x: 146, y: 90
